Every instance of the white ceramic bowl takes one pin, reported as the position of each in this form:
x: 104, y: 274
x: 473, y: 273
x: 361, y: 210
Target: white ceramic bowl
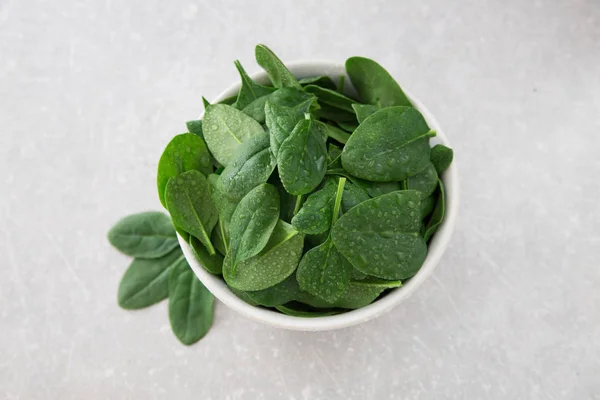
x: 437, y: 245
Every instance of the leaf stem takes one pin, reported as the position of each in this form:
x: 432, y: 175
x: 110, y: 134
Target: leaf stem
x: 338, y: 200
x: 298, y: 204
x: 337, y: 134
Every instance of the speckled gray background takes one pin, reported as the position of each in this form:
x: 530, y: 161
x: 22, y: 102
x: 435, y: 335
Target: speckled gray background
x: 91, y: 91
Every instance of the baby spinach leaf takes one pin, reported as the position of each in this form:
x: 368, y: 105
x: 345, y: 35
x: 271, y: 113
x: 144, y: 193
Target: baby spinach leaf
x: 282, y: 293
x: 348, y: 126
x: 340, y: 86
x: 364, y: 110
x: 225, y: 128
x: 356, y: 275
x: 336, y: 133
x: 317, y: 212
x: 190, y: 305
x: 376, y: 189
x: 189, y: 202
x: 287, y: 201
x: 250, y: 90
x: 243, y: 295
x: 334, y: 114
x: 294, y: 98
x: 374, y: 84
x: 425, y: 181
x: 390, y: 145
x: 277, y: 71
x: 427, y: 205
x: 144, y: 235
x: 205, y: 102
x: 324, y: 272
x: 195, y: 127
x: 146, y: 282
x: 281, y: 121
x: 353, y: 196
x: 295, y: 309
x: 219, y: 238
x: 331, y: 98
x: 251, y: 165
x: 323, y: 81
x: 184, y: 152
x: 363, y: 292
x: 213, y: 264
x: 438, y: 213
x: 441, y: 157
x: 252, y: 223
x: 380, y: 237
x: 334, y: 157
x: 302, y: 158
x: 272, y: 265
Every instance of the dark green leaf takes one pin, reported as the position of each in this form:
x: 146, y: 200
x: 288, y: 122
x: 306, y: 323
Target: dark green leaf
x: 438, y: 213
x: 362, y: 293
x: 334, y: 114
x: 252, y: 223
x: 250, y: 90
x: 205, y: 102
x: 281, y: 121
x: 184, y: 152
x: 277, y: 71
x: 425, y: 181
x: 146, y: 282
x: 441, y: 157
x: 277, y: 261
x: 302, y: 158
x: 324, y: 272
x: 364, y: 110
x: 281, y: 293
x: 348, y: 126
x: 299, y: 310
x: 353, y: 196
x: 336, y: 133
x: 316, y: 213
x: 225, y: 128
x: 219, y: 238
x: 380, y: 237
x: 334, y: 157
x: 195, y: 127
x: 189, y: 202
x: 251, y: 165
x: 144, y: 235
x: 213, y: 264
x: 390, y: 145
x: 243, y: 295
x: 190, y: 305
x: 331, y: 98
x: 427, y: 205
x: 374, y: 84
x: 323, y: 81
x: 294, y: 98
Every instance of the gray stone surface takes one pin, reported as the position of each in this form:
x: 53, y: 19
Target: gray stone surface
x: 91, y: 91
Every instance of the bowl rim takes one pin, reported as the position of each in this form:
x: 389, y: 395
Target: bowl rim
x: 436, y: 248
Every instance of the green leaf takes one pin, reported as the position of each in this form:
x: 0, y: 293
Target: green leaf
x: 190, y: 205
x: 336, y: 133
x: 374, y: 84
x: 287, y: 201
x: 361, y: 293
x: 195, y: 127
x: 144, y: 235
x: 184, y: 152
x: 146, y: 282
x: 348, y: 126
x: 219, y: 238
x: 272, y: 265
x: 331, y: 98
x: 281, y: 121
x: 438, y: 213
x: 390, y: 145
x: 251, y: 165
x: 375, y: 189
x: 427, y: 205
x: 252, y: 223
x: 425, y: 181
x: 323, y: 81
x: 364, y: 110
x: 213, y: 264
x: 225, y: 128
x: 250, y: 90
x: 243, y: 295
x: 229, y: 100
x: 316, y: 213
x: 294, y: 98
x: 353, y: 196
x: 324, y: 272
x: 334, y: 157
x: 380, y: 237
x: 205, y: 102
x: 441, y: 157
x: 302, y: 158
x: 282, y: 293
x: 191, y: 305
x: 299, y: 310
x: 333, y: 114
x: 277, y: 71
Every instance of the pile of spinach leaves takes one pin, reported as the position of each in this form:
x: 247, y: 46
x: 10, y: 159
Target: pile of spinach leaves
x: 303, y: 198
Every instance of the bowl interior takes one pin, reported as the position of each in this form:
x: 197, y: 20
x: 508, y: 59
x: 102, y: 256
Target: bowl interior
x: 437, y: 246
